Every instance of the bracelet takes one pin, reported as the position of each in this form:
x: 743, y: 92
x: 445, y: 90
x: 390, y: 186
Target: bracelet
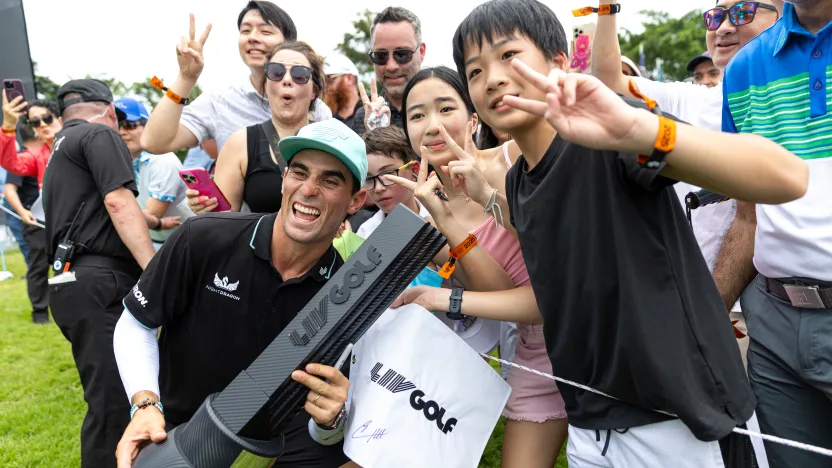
x: 608, y: 9
x: 493, y: 208
x: 455, y: 304
x: 9, y: 132
x: 338, y: 419
x: 144, y: 404
x: 665, y: 140
x: 157, y: 83
x: 158, y: 226
x: 457, y: 253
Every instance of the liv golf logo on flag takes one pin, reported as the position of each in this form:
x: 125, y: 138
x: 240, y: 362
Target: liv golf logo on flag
x: 411, y: 404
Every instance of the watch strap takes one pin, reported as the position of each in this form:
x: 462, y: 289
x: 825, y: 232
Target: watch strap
x: 455, y: 304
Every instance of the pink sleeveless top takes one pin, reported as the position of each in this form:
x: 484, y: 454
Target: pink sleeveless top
x: 505, y: 248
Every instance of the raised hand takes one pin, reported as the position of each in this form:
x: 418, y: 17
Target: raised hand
x: 465, y: 172
x: 189, y: 52
x: 425, y: 188
x: 376, y: 110
x: 12, y: 111
x: 579, y: 107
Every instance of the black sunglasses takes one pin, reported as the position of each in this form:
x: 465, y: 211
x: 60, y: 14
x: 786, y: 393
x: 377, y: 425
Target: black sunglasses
x: 131, y: 125
x: 401, y: 56
x: 370, y: 182
x: 299, y: 73
x: 740, y: 14
x: 46, y: 120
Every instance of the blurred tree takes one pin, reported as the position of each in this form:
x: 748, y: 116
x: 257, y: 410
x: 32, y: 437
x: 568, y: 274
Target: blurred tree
x: 356, y: 44
x: 46, y: 88
x: 672, y: 40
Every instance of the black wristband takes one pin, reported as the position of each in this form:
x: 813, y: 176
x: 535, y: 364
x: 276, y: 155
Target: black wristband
x: 455, y: 304
x: 158, y: 226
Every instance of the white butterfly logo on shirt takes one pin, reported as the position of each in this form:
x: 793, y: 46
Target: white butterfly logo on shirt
x: 223, y: 283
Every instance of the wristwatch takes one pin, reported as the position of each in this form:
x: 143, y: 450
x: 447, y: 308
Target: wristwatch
x: 337, y: 421
x: 456, y: 304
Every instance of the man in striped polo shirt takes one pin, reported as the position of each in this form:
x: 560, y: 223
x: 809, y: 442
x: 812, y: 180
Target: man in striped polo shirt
x: 780, y: 86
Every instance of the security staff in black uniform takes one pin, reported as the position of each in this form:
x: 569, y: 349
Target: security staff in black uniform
x: 224, y: 286
x: 89, y: 186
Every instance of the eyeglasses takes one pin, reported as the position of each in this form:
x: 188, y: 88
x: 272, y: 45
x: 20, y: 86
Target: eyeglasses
x: 131, y: 125
x: 299, y: 73
x: 46, y: 120
x: 401, y: 56
x: 740, y: 14
x: 370, y: 182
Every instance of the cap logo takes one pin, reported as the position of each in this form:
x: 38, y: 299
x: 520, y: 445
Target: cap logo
x: 328, y: 134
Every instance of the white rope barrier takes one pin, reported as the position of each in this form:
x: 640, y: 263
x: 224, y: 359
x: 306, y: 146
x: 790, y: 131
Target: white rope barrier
x: 18, y: 217
x: 745, y: 432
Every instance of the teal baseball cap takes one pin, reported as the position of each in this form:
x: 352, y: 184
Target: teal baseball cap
x: 333, y: 137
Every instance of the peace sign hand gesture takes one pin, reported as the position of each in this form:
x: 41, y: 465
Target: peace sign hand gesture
x: 465, y: 172
x: 580, y: 108
x: 425, y: 188
x: 376, y: 110
x: 189, y: 52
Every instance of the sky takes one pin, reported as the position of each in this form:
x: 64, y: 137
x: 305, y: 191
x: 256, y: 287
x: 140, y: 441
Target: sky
x: 132, y: 40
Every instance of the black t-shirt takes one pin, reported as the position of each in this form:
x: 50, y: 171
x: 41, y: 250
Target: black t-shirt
x: 629, y: 306
x: 358, y: 117
x: 27, y: 188
x: 348, y: 121
x: 88, y: 161
x: 220, y: 302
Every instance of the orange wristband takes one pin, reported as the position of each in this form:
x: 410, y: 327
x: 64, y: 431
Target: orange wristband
x: 457, y: 253
x: 11, y: 131
x: 157, y: 83
x: 608, y: 9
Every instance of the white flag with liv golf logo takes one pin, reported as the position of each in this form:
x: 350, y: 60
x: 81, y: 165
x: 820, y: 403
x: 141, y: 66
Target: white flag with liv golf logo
x: 419, y: 395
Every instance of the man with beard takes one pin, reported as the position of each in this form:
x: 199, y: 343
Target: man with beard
x: 397, y: 53
x: 341, y: 88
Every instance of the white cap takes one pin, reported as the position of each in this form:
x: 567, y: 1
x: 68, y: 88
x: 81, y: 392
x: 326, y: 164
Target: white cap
x: 337, y: 64
x: 482, y: 335
x: 627, y: 61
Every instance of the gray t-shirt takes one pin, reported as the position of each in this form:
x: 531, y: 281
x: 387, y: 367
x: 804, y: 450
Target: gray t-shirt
x: 157, y: 176
x: 218, y: 114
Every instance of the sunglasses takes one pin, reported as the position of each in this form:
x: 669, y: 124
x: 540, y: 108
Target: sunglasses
x: 740, y: 14
x: 46, y: 120
x: 370, y: 182
x: 299, y: 73
x: 401, y: 56
x: 131, y: 125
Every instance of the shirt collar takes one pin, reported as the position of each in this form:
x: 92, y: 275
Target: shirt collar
x: 144, y: 157
x: 261, y: 243
x: 789, y: 27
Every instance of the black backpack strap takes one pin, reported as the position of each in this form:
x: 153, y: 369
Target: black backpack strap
x: 272, y: 137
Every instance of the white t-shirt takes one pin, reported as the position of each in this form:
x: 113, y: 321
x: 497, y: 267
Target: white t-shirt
x: 371, y: 224
x: 218, y: 114
x: 701, y: 107
x: 157, y: 176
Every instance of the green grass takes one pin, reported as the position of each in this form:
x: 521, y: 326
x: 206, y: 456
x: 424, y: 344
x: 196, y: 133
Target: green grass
x: 41, y: 400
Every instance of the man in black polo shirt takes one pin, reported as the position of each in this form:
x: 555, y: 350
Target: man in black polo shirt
x: 90, y: 173
x: 225, y: 285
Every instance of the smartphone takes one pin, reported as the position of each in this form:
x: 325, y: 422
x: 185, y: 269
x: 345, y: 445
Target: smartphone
x: 580, y: 60
x: 198, y: 179
x: 14, y: 88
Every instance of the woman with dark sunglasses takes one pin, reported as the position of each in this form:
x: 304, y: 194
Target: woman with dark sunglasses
x: 40, y: 115
x: 249, y: 169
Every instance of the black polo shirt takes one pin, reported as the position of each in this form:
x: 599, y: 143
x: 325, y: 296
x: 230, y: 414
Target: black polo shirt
x: 629, y: 306
x: 88, y: 161
x: 220, y: 302
x: 27, y: 188
x: 358, y: 117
